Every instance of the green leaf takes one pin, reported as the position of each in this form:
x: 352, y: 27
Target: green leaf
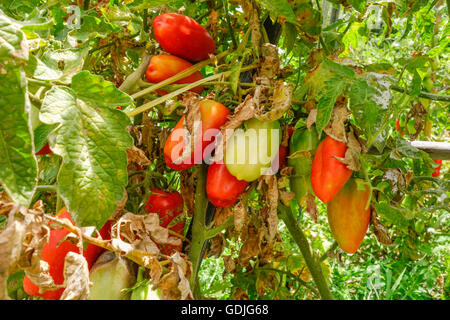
x: 290, y: 34
x: 65, y: 62
x: 370, y: 98
x: 279, y: 8
x: 359, y: 5
x: 148, y: 4
x: 12, y: 40
x: 39, y: 70
x: 41, y: 134
x: 339, y: 69
x: 327, y: 98
x: 93, y: 27
x: 92, y: 139
x: 18, y: 168
x: 406, y: 149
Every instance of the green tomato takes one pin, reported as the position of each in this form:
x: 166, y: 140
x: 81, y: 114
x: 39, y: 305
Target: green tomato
x: 428, y: 84
x: 111, y: 276
x: 303, y: 143
x: 249, y: 154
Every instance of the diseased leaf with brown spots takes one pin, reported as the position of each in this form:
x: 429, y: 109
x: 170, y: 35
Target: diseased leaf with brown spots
x: 136, y: 155
x: 351, y: 158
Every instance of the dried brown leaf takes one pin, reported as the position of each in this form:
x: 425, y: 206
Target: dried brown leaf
x: 76, y: 277
x: 136, y: 155
x: 282, y: 101
x: 380, y: 230
x: 311, y: 206
x: 339, y: 115
x: 312, y: 116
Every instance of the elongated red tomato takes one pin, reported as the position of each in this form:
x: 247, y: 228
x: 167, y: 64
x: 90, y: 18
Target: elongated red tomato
x: 213, y: 116
x: 45, y: 150
x: 348, y: 217
x: 164, y: 66
x: 169, y: 206
x: 222, y: 188
x: 437, y: 170
x: 54, y: 253
x: 182, y: 36
x: 329, y: 175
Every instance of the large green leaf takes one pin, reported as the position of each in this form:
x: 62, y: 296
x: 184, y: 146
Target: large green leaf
x: 370, y: 98
x: 332, y: 89
x: 279, y: 8
x: 18, y: 169
x: 12, y: 40
x: 92, y: 139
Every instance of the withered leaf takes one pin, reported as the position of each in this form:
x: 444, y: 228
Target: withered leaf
x: 217, y: 245
x: 339, y: 115
x: 272, y: 202
x: 351, y: 158
x: 10, y: 249
x: 76, y: 277
x: 240, y: 216
x: 136, y: 155
x: 312, y: 116
x: 380, y: 230
x: 311, y: 206
x: 282, y: 101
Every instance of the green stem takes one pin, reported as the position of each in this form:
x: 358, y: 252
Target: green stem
x: 198, y: 229
x: 46, y: 188
x: 175, y: 93
x: 312, y: 262
x: 426, y: 95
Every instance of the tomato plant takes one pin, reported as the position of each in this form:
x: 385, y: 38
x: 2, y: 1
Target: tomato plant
x: 187, y: 178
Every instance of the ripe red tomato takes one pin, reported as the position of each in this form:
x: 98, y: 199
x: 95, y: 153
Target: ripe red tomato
x: 182, y: 36
x: 437, y: 170
x: 45, y: 150
x: 168, y: 206
x: 329, y: 175
x: 281, y: 159
x: 213, y: 116
x: 398, y: 127
x: 54, y: 253
x: 164, y: 66
x: 222, y: 188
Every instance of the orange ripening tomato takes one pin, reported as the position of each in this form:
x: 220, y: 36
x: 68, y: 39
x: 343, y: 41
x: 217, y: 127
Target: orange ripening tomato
x: 437, y: 170
x: 54, y: 253
x: 222, y: 188
x: 398, y: 127
x: 348, y: 217
x: 164, y: 66
x: 183, y: 37
x: 213, y: 116
x: 329, y: 175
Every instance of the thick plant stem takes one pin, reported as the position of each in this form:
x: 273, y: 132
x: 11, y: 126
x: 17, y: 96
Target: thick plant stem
x: 198, y: 229
x: 312, y: 263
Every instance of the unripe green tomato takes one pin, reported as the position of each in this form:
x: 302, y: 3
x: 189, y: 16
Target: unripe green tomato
x: 145, y: 291
x: 110, y: 275
x: 248, y: 154
x: 302, y: 142
x: 419, y: 226
x: 428, y: 84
